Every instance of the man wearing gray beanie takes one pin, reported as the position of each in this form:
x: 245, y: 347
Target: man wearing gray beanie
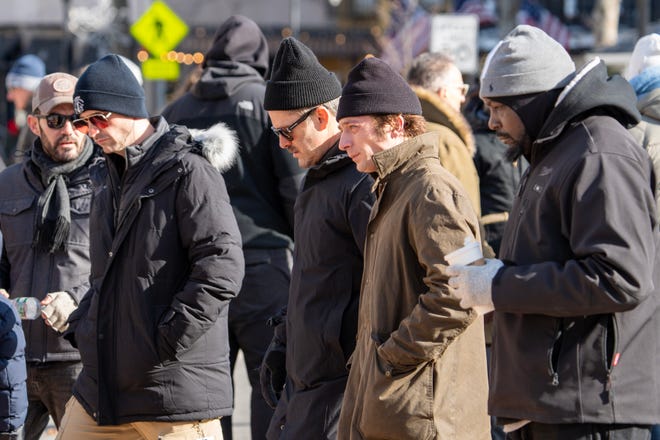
x: 576, y: 292
x: 419, y: 366
x: 315, y: 337
x: 166, y: 260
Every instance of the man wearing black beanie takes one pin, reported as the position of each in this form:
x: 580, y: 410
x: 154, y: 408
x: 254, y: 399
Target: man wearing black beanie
x: 419, y: 366
x: 316, y: 337
x: 166, y: 260
x: 575, y: 295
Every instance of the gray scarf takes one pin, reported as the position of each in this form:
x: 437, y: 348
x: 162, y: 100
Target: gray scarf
x: 52, y: 221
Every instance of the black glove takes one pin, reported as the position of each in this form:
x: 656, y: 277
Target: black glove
x: 272, y: 374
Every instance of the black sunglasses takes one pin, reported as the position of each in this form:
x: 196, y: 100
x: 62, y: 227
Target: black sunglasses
x: 56, y: 120
x: 285, y: 132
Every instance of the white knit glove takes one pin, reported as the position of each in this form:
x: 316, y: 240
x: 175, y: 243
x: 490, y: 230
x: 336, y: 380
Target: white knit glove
x: 473, y: 285
x: 56, y: 308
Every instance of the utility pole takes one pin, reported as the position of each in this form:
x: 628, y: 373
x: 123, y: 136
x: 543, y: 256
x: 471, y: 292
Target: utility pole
x: 294, y: 17
x: 643, y: 17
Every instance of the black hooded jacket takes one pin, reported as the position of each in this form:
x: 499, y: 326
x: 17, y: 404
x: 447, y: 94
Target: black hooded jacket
x: 576, y: 323
x: 264, y: 182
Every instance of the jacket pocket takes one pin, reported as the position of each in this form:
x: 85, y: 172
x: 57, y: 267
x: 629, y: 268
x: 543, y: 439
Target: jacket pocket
x: 397, y: 405
x: 17, y: 221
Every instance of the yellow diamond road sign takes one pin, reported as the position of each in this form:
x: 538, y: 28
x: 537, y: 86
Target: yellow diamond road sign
x: 159, y: 29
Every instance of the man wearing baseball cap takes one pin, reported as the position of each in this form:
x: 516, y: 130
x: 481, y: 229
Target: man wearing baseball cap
x: 44, y: 220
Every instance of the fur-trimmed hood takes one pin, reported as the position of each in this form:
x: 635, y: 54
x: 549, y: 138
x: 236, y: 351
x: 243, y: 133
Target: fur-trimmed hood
x: 219, y: 145
x: 436, y: 111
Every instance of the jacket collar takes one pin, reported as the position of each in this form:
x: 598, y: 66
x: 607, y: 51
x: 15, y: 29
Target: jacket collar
x: 437, y: 111
x: 134, y: 153
x: 400, y: 156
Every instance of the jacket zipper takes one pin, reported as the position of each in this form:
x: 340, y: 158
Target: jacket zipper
x: 611, y: 358
x: 553, y: 353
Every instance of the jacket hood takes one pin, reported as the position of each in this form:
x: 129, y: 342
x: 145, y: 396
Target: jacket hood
x: 592, y: 91
x: 437, y: 111
x: 219, y: 145
x: 239, y: 39
x: 223, y: 79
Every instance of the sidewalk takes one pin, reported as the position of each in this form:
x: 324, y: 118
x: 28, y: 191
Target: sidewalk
x: 241, y: 418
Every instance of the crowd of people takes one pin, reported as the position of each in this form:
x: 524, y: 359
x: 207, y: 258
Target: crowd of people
x: 271, y: 210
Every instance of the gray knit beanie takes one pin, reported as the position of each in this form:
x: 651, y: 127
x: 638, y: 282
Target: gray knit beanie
x: 298, y: 80
x: 526, y: 61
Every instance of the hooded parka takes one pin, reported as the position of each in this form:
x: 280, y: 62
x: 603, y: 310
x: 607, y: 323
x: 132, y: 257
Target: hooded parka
x: 166, y: 261
x: 419, y: 367
x: 576, y: 319
x: 264, y: 181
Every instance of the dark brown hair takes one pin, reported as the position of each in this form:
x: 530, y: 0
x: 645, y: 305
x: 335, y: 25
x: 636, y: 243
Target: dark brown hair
x: 413, y: 125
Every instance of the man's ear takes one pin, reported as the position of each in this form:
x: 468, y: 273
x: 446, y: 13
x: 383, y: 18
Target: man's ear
x: 33, y: 123
x: 322, y: 117
x: 398, y: 128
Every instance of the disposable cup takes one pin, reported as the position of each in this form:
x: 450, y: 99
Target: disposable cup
x: 468, y: 254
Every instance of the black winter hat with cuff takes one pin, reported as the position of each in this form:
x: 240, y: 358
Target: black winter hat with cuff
x: 373, y: 88
x: 109, y: 85
x: 298, y: 80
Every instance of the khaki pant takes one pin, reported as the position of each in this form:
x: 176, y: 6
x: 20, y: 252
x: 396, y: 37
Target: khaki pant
x: 77, y: 425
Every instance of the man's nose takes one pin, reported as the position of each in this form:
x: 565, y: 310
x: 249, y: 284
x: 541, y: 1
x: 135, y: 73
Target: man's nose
x: 493, y: 123
x: 284, y: 142
x: 343, y: 142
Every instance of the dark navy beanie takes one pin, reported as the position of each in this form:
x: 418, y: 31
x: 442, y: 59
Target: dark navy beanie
x: 373, y: 88
x: 109, y: 85
x: 298, y: 80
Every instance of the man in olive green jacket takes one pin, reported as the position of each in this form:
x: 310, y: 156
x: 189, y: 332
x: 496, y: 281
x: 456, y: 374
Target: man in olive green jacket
x: 419, y: 368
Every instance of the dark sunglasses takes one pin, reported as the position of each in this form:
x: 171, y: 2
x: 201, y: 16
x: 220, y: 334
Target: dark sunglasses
x: 56, y: 120
x: 99, y: 120
x: 285, y: 132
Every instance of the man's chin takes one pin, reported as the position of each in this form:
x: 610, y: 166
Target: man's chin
x: 514, y: 152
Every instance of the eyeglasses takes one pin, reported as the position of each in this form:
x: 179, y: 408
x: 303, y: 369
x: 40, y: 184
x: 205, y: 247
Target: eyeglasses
x: 98, y: 120
x: 56, y: 120
x: 285, y: 132
x: 464, y: 88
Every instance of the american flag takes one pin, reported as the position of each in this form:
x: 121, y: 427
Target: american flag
x: 485, y: 10
x: 533, y: 14
x: 407, y: 35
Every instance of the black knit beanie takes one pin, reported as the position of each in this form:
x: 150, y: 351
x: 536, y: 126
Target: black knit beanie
x: 298, y: 80
x: 373, y: 88
x: 109, y: 85
x: 239, y: 39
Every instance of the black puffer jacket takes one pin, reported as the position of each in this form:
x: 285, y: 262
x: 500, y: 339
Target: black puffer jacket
x: 264, y: 181
x: 25, y: 271
x: 577, y: 322
x: 166, y: 261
